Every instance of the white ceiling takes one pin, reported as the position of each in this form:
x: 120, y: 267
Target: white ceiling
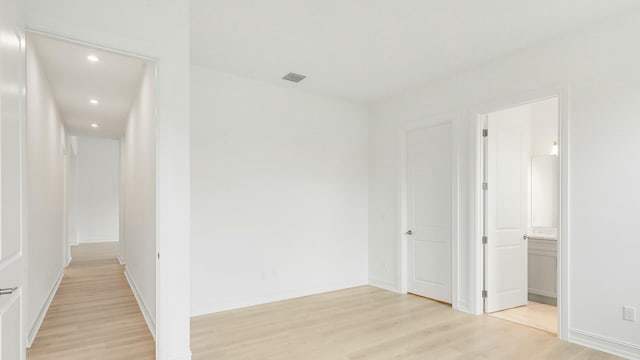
x: 113, y: 81
x: 366, y: 50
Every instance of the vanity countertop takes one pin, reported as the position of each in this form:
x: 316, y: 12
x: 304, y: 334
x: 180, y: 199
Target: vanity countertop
x: 543, y: 236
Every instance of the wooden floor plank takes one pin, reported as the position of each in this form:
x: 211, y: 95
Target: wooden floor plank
x: 94, y: 314
x: 370, y: 323
x: 536, y: 315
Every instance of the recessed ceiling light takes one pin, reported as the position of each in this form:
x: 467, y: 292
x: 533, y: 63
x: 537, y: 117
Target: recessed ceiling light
x: 93, y: 102
x: 93, y: 58
x: 95, y: 126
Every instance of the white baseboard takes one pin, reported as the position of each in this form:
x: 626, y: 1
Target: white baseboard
x: 96, y: 241
x: 603, y: 343
x: 121, y: 260
x: 243, y: 303
x: 68, y: 262
x: 43, y: 312
x: 143, y: 307
x: 383, y: 285
x: 182, y: 357
x: 462, y: 306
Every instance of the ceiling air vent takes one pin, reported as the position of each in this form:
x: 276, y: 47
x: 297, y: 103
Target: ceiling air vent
x: 296, y: 78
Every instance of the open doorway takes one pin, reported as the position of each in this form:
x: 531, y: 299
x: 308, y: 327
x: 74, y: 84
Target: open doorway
x: 91, y: 161
x: 521, y: 213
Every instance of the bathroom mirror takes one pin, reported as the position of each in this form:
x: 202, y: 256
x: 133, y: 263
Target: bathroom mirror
x: 544, y: 193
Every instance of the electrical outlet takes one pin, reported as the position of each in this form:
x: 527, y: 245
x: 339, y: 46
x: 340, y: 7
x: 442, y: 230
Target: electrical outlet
x: 628, y: 313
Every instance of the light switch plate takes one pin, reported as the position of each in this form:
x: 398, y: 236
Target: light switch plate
x: 628, y: 313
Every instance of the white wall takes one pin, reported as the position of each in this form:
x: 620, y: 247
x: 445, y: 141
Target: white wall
x: 600, y: 68
x: 159, y: 30
x: 279, y: 183
x: 46, y: 141
x: 98, y: 189
x: 72, y: 191
x: 544, y: 173
x: 139, y: 187
x: 545, y: 126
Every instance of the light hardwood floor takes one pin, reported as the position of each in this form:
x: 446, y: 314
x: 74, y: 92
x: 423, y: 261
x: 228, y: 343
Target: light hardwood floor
x: 536, y: 315
x: 94, y: 314
x: 370, y: 323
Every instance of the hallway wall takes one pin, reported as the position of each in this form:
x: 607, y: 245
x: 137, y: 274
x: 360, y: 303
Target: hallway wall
x: 139, y: 196
x: 45, y: 161
x: 98, y: 189
x: 72, y: 191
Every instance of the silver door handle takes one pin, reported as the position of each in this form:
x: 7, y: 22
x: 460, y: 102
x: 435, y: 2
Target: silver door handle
x: 409, y: 232
x: 525, y: 237
x: 8, y: 291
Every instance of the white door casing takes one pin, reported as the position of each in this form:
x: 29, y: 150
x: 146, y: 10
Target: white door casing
x: 12, y: 80
x: 508, y: 156
x: 429, y: 181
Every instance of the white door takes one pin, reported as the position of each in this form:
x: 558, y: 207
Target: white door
x: 429, y: 211
x: 508, y: 149
x: 11, y: 131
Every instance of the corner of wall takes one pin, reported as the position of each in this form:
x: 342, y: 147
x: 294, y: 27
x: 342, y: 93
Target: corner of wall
x: 148, y: 317
x: 33, y: 332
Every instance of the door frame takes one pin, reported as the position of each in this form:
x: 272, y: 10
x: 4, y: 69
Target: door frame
x: 154, y: 61
x: 478, y: 113
x: 20, y: 295
x: 433, y: 121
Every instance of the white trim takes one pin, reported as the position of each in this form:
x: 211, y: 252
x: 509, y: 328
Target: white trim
x: 13, y: 297
x: 43, y: 312
x: 181, y: 356
x: 141, y: 304
x: 162, y: 297
x: 97, y: 241
x: 4, y: 263
x: 243, y: 303
x: 384, y: 285
x: 160, y: 301
x: 563, y: 223
x: 68, y: 261
x: 452, y: 118
x: 462, y: 306
x: 475, y: 286
x: 603, y: 343
x: 121, y: 260
x: 57, y: 36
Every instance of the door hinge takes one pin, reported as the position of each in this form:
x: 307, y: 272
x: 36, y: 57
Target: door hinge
x: 485, y: 132
x: 484, y: 294
x: 485, y: 240
x: 158, y: 256
x: 485, y: 186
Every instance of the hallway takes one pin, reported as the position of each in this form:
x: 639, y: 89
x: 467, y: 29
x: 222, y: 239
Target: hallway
x: 94, y: 314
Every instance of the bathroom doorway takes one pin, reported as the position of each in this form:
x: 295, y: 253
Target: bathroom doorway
x: 521, y: 202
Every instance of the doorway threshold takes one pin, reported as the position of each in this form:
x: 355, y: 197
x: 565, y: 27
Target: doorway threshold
x: 431, y: 299
x: 536, y: 315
